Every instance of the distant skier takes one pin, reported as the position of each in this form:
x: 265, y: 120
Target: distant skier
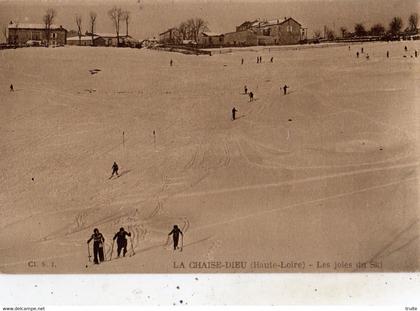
x: 242, y: 61
x: 405, y: 48
x: 415, y: 53
x: 251, y: 96
x: 245, y: 89
x: 98, y: 246
x: 121, y: 241
x: 234, y: 111
x: 285, y: 87
x: 367, y: 56
x: 258, y: 59
x: 11, y: 88
x: 362, y: 51
x: 271, y: 59
x: 114, y: 170
x: 357, y: 54
x: 175, y: 233
x: 387, y: 54
x: 171, y: 63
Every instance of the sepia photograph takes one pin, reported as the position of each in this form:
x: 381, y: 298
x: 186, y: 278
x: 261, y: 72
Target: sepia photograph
x: 223, y: 136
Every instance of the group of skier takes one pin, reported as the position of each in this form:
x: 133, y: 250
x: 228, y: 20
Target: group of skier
x: 121, y: 237
x: 251, y: 98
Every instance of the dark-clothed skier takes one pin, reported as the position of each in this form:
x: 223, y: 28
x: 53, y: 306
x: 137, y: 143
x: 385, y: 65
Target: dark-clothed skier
x: 387, y: 54
x: 242, y: 61
x: 285, y: 87
x: 98, y: 246
x: 114, y: 169
x: 271, y: 59
x: 171, y: 63
x: 251, y: 96
x: 245, y: 89
x: 121, y: 241
x: 175, y: 233
x: 357, y: 54
x: 234, y: 110
x: 11, y: 88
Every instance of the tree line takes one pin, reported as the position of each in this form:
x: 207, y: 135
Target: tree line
x: 378, y: 30
x: 118, y: 17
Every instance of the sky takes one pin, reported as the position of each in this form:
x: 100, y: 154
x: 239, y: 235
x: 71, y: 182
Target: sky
x: 151, y: 17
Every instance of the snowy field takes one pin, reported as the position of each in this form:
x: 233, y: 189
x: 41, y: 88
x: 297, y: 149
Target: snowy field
x: 325, y: 174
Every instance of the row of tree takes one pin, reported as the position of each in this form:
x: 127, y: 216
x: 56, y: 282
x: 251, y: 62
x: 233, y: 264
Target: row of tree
x: 191, y: 28
x: 117, y: 15
x: 395, y: 29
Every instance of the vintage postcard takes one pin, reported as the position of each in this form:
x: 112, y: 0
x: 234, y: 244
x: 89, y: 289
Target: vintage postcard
x: 179, y: 136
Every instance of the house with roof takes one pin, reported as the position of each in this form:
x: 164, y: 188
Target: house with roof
x: 267, y: 32
x: 86, y: 40
x: 210, y: 39
x: 21, y: 33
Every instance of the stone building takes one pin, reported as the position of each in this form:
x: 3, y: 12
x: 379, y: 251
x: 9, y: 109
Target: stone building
x: 21, y: 33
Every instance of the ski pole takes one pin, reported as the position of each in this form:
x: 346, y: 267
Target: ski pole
x: 112, y: 249
x: 132, y: 248
x: 89, y: 252
x: 182, y: 242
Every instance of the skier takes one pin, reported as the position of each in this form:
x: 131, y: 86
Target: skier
x: 362, y: 50
x: 357, y: 54
x: 367, y: 56
x: 234, y: 110
x: 176, y: 231
x: 245, y: 89
x: 387, y: 54
x: 285, y: 87
x: 171, y: 62
x: 242, y: 61
x: 11, y: 88
x: 98, y: 246
x: 271, y: 60
x: 258, y: 59
x: 114, y: 170
x: 251, y: 96
x: 405, y: 48
x: 121, y: 241
x: 415, y: 54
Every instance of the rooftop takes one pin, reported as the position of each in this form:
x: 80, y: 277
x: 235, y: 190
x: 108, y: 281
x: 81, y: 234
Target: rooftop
x: 31, y: 26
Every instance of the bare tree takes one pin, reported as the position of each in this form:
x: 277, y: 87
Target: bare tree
x: 196, y: 25
x: 79, y: 27
x: 183, y: 31
x: 359, y: 30
x: 116, y: 14
x: 48, y: 19
x: 377, y: 30
x: 126, y: 17
x: 395, y: 25
x: 92, y: 21
x: 413, y: 21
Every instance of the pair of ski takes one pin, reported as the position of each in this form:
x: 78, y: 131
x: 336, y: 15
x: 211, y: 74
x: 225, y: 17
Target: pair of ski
x: 132, y: 249
x: 112, y: 250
